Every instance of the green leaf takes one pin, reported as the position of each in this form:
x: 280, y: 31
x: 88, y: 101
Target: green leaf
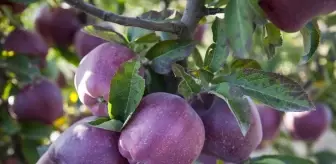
x: 7, y: 124
x: 238, y: 27
x: 205, y: 75
x: 238, y: 104
x: 133, y: 33
x: 165, y: 53
x: 107, y: 124
x: 69, y: 56
x: 258, y: 14
x: 325, y: 156
x: 218, y: 52
x: 21, y: 66
x: 33, y: 130
x: 245, y: 63
x: 29, y: 150
x: 280, y: 159
x: 273, y: 35
x: 311, y: 40
x: 269, y: 88
x: 197, y: 57
x: 188, y: 86
x: 127, y: 89
x: 106, y: 33
x: 144, y: 43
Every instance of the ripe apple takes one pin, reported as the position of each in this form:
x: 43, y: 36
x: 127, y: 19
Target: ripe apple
x: 271, y: 120
x: 94, y: 74
x: 224, y: 139
x: 27, y: 43
x: 40, y: 101
x: 16, y: 8
x: 83, y: 143
x: 84, y: 42
x: 164, y: 129
x: 57, y: 25
x: 292, y: 15
x: 308, y: 125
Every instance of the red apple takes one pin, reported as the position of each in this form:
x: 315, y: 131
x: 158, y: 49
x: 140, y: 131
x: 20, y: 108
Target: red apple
x: 271, y: 120
x: 308, y: 125
x: 164, y: 129
x: 57, y: 25
x: 82, y: 143
x: 40, y: 101
x: 292, y: 15
x: 27, y: 43
x: 16, y: 8
x: 224, y: 139
x: 94, y: 74
x: 84, y: 43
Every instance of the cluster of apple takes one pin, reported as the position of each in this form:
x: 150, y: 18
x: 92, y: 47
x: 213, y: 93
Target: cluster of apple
x: 165, y: 128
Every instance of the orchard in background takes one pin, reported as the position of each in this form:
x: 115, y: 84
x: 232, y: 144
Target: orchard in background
x: 167, y: 81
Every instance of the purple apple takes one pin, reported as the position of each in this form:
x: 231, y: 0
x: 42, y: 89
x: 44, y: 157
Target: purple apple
x: 84, y: 42
x: 224, y: 139
x: 199, y: 33
x: 40, y: 101
x: 163, y: 130
x: 82, y: 143
x: 308, y: 125
x: 292, y: 15
x: 94, y: 74
x: 27, y: 43
x: 16, y: 8
x: 206, y: 159
x: 57, y: 26
x: 271, y: 120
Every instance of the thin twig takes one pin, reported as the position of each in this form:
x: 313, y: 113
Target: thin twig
x: 213, y: 11
x: 176, y: 27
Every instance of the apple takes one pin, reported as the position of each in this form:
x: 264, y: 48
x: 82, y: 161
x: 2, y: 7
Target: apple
x: 85, y: 42
x: 27, y: 43
x: 57, y: 25
x: 308, y: 125
x: 199, y: 33
x: 292, y: 15
x: 271, y: 120
x: 16, y: 8
x: 224, y: 139
x: 39, y: 101
x: 94, y: 73
x: 82, y: 143
x: 164, y: 129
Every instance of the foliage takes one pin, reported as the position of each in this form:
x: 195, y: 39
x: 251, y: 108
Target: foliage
x: 242, y: 57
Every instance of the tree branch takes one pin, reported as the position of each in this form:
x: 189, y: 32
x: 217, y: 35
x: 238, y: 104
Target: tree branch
x: 192, y: 15
x: 213, y: 11
x: 176, y: 28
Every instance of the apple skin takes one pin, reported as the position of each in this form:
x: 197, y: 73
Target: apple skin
x: 82, y: 143
x: 28, y: 43
x: 84, y: 43
x: 16, y: 8
x: 94, y: 73
x: 57, y: 26
x: 199, y: 33
x: 40, y: 101
x: 271, y: 120
x: 224, y: 139
x: 292, y: 15
x: 207, y: 159
x: 308, y: 125
x: 163, y: 130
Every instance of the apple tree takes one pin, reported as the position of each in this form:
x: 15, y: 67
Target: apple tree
x: 167, y: 81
